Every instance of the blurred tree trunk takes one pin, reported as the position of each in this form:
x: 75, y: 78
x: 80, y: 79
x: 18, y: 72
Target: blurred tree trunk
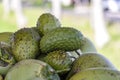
x: 56, y: 8
x: 6, y: 5
x: 101, y: 34
x: 16, y: 6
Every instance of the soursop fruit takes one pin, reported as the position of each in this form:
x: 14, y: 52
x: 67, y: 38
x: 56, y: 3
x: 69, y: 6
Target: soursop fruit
x: 64, y: 38
x: 89, y: 60
x: 59, y: 60
x: 97, y: 74
x: 25, y: 44
x: 47, y: 22
x: 31, y: 69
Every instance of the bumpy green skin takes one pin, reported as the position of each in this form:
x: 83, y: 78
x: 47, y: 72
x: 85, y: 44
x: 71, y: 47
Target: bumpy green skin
x: 97, y: 74
x: 31, y: 69
x: 25, y: 44
x: 5, y: 37
x: 59, y: 60
x: 64, y: 38
x: 89, y: 60
x: 6, y: 58
x: 88, y: 46
x: 47, y: 22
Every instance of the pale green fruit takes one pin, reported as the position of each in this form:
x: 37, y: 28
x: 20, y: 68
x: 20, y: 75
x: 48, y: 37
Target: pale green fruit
x: 89, y: 60
x: 88, y: 46
x: 97, y: 74
x: 31, y: 69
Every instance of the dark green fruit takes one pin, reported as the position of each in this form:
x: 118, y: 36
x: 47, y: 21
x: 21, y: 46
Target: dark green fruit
x: 25, y: 44
x: 47, y: 22
x: 59, y: 60
x: 89, y: 60
x: 31, y: 69
x: 97, y: 74
x: 64, y: 38
x: 6, y: 58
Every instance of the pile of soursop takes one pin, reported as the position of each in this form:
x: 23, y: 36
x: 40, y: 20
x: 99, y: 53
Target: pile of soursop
x: 50, y: 51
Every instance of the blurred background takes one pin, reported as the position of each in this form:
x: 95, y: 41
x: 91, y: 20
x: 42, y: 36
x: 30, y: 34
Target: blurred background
x: 98, y: 20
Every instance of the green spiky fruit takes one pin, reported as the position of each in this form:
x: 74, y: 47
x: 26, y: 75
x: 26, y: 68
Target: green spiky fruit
x: 25, y: 44
x: 97, y: 74
x: 31, y: 69
x: 6, y: 58
x: 59, y: 60
x: 5, y: 37
x: 88, y: 46
x: 64, y: 38
x: 89, y: 60
x: 47, y: 22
